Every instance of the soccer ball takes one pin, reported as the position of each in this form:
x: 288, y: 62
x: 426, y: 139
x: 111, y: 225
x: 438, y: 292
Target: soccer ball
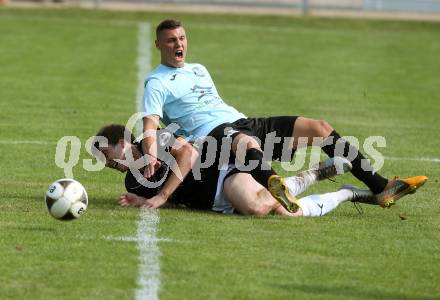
x: 66, y: 199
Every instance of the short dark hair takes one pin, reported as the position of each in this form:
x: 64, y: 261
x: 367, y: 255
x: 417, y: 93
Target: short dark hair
x: 168, y: 24
x: 113, y: 133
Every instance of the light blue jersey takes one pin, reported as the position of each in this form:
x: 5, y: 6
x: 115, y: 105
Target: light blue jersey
x: 188, y: 97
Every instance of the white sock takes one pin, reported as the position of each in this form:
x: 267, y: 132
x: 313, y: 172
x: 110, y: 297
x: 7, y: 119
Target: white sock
x: 301, y: 182
x: 319, y: 205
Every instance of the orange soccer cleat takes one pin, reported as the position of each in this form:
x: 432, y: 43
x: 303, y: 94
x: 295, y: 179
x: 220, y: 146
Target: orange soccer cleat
x: 397, y: 188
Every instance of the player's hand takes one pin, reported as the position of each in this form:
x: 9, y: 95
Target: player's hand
x: 131, y: 200
x: 155, y: 202
x: 151, y: 167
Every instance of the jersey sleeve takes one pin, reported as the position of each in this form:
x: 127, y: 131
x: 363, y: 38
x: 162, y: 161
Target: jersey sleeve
x: 155, y: 95
x: 165, y: 141
x: 133, y: 186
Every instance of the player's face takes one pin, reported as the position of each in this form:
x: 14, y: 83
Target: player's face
x: 113, y: 154
x: 172, y: 44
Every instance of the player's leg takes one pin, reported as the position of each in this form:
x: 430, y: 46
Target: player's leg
x: 324, y: 170
x: 248, y: 196
x: 235, y: 138
x: 274, y: 134
x: 321, y: 204
x: 387, y: 191
x: 247, y: 150
x: 310, y: 128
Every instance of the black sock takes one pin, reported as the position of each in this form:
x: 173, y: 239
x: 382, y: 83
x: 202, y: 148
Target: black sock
x: 260, y: 174
x: 373, y: 180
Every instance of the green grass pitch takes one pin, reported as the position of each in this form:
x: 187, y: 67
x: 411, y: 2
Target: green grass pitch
x: 67, y: 72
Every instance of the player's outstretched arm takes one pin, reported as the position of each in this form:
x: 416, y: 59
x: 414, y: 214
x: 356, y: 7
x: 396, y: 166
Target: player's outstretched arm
x: 149, y: 145
x: 131, y: 200
x: 185, y: 155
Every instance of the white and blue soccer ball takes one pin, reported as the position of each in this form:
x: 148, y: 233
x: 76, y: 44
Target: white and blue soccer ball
x: 66, y: 199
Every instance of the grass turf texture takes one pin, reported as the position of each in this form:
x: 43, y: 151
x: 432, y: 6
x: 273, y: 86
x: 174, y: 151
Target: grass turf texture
x: 68, y: 72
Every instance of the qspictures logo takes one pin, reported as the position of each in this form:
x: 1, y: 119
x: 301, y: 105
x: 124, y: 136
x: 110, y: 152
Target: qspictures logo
x: 306, y: 155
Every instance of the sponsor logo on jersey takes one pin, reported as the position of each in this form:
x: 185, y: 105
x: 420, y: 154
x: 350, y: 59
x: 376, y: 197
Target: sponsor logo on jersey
x: 198, y: 72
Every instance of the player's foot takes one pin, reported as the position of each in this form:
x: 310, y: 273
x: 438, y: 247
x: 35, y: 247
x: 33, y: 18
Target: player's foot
x: 325, y: 169
x: 397, y: 188
x: 331, y: 167
x: 360, y: 195
x: 280, y: 191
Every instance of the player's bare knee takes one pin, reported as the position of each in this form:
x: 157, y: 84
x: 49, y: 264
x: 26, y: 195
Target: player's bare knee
x: 187, y: 152
x: 257, y: 210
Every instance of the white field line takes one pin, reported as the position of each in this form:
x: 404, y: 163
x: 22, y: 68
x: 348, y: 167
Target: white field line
x: 139, y: 97
x: 143, y: 63
x: 86, y: 21
x: 427, y: 159
x: 149, y: 253
x: 134, y: 239
x: 11, y: 142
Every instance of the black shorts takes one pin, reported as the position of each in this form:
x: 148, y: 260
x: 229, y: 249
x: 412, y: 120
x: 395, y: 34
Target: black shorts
x: 268, y: 131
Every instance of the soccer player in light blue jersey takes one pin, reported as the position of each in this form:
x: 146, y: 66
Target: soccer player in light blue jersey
x: 180, y: 93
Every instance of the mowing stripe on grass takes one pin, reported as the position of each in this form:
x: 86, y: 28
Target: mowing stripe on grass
x: 149, y: 266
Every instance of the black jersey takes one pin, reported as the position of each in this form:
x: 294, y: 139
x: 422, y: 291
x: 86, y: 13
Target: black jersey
x: 196, y: 194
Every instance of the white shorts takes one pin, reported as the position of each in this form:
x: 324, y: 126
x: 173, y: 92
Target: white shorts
x: 221, y: 202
